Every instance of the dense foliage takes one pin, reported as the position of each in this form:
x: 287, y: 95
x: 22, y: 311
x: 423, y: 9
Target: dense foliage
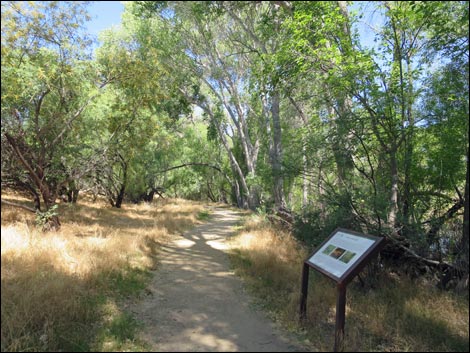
x: 277, y: 106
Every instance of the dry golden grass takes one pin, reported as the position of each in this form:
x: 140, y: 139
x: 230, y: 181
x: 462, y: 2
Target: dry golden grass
x: 392, y: 313
x: 56, y: 285
x: 270, y: 251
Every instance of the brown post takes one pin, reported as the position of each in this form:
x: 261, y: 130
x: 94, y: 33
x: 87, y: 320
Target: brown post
x: 364, y: 252
x: 303, y: 298
x: 340, y: 317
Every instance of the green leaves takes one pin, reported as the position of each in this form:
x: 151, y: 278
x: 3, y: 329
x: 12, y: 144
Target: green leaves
x: 42, y: 218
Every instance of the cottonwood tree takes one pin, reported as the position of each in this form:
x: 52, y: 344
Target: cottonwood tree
x: 445, y: 110
x: 385, y: 121
x: 242, y: 105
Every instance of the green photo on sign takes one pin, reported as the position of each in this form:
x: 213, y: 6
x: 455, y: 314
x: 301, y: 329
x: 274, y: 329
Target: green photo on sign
x: 329, y: 249
x: 348, y: 255
x: 340, y: 257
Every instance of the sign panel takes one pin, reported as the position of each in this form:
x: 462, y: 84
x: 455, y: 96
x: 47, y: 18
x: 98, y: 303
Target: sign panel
x: 340, y: 252
x: 339, y: 257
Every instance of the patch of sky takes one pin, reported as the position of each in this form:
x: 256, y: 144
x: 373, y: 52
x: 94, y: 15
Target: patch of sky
x: 168, y: 13
x: 369, y: 25
x: 369, y: 22
x: 104, y: 15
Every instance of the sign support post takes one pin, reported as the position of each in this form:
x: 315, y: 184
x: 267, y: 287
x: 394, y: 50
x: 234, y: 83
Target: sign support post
x: 340, y: 257
x: 303, y: 299
x: 340, y: 318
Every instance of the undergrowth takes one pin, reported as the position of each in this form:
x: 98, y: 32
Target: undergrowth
x: 386, y: 312
x: 65, y: 290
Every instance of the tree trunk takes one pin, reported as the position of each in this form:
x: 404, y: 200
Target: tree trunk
x: 37, y: 176
x: 245, y: 200
x: 75, y: 195
x: 392, y: 213
x: 122, y: 189
x: 120, y: 196
x: 210, y: 194
x: 52, y: 223
x: 341, y: 141
x: 409, y: 136
x: 304, y: 179
x: 464, y: 248
x: 37, y: 202
x: 73, y: 192
x: 342, y: 103
x: 276, y: 153
x: 236, y: 191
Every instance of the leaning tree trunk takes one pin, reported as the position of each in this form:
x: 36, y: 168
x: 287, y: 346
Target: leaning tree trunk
x: 122, y: 189
x: 120, y: 196
x: 49, y: 219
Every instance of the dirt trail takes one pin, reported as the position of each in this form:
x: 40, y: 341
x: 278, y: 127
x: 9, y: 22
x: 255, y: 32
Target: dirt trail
x: 198, y: 304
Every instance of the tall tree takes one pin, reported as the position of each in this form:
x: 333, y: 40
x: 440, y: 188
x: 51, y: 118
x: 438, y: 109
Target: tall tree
x: 206, y: 55
x: 47, y: 82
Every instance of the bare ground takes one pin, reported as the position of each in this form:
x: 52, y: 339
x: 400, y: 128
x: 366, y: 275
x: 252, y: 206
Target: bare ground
x: 197, y: 304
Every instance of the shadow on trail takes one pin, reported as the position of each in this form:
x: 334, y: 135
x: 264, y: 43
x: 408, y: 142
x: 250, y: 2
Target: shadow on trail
x: 198, y: 304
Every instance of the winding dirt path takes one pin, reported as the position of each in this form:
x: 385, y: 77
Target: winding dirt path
x: 197, y: 303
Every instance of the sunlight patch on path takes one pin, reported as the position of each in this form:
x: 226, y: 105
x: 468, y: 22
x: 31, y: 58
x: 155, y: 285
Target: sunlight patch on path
x: 184, y: 243
x: 198, y: 304
x: 217, y: 245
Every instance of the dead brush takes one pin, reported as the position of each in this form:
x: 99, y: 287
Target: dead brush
x: 52, y: 281
x: 397, y: 314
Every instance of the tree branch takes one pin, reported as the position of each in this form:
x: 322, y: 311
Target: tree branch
x: 197, y: 164
x: 30, y: 209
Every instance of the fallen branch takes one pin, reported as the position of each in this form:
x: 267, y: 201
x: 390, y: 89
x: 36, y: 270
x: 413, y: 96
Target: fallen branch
x: 446, y: 270
x: 30, y: 209
x: 283, y: 217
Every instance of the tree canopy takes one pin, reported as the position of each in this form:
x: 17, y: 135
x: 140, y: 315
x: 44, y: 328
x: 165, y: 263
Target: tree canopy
x: 275, y: 106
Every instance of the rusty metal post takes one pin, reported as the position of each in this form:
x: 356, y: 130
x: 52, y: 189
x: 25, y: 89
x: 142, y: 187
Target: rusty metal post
x: 340, y: 317
x: 303, y: 298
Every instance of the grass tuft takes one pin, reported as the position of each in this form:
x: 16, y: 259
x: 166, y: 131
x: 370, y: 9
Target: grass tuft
x: 203, y: 215
x: 65, y: 290
x: 393, y: 314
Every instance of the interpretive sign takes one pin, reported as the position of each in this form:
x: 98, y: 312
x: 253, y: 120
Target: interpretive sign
x: 340, y: 257
x: 342, y: 251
